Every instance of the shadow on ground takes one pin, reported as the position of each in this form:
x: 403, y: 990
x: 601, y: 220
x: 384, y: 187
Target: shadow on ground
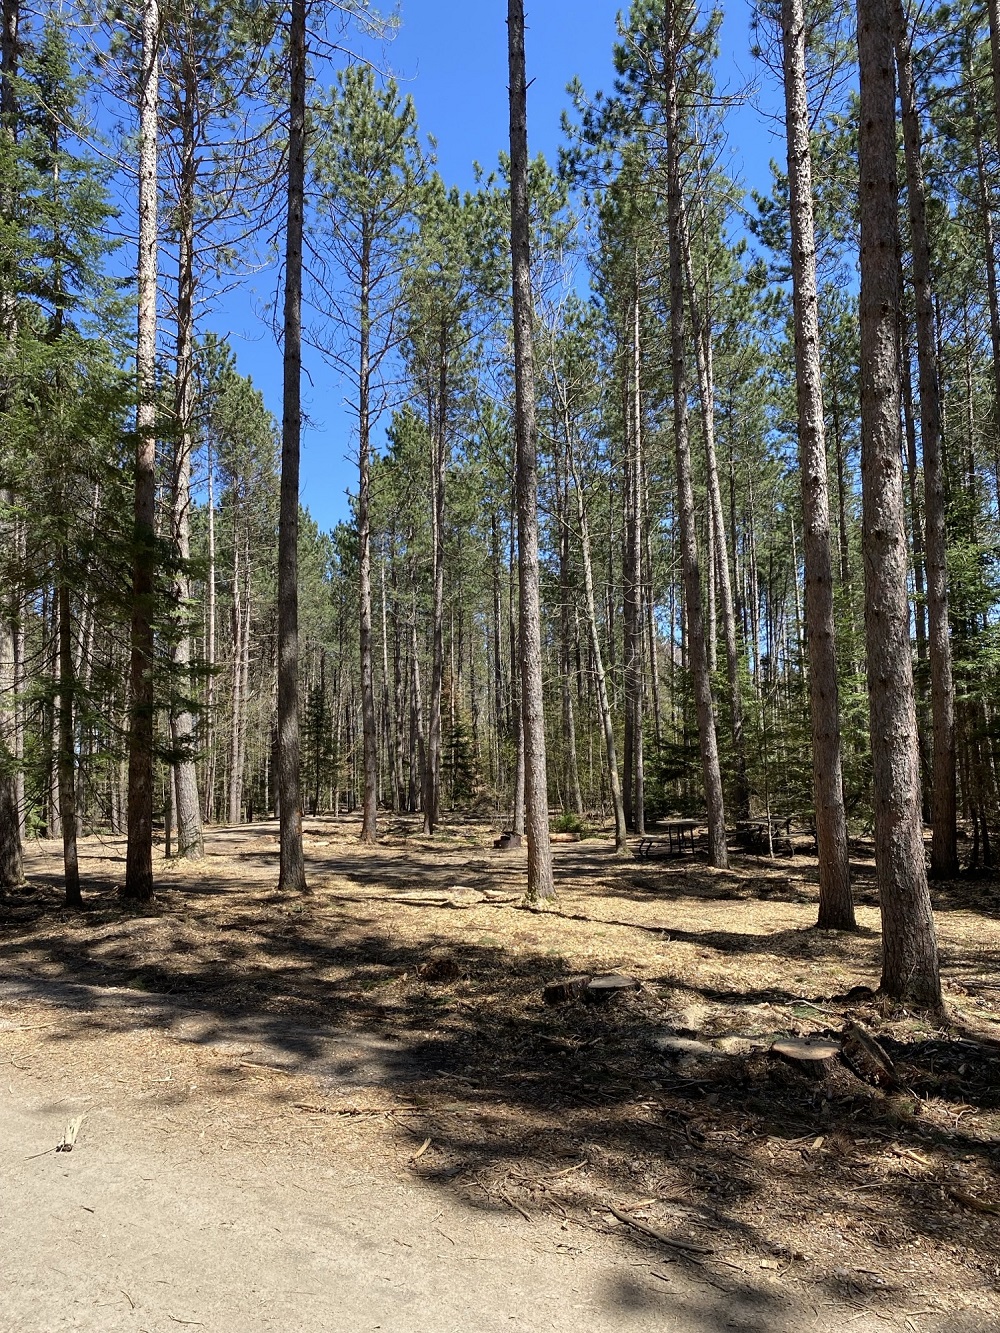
x: 726, y: 1151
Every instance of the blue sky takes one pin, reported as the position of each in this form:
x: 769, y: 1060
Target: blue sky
x: 451, y: 57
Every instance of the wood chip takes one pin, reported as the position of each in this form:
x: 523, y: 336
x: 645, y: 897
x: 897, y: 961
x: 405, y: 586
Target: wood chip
x: 421, y: 1150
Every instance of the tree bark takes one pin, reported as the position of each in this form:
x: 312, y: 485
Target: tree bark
x: 603, y: 703
x: 910, y: 960
x: 717, y: 526
x: 190, y: 843
x: 139, y: 854
x: 697, y: 653
x: 836, y: 905
x: 571, y: 767
x: 369, y: 739
x: 67, y: 750
x: 292, y: 873
x: 209, y: 716
x: 540, y: 884
x: 437, y: 426
x: 11, y: 864
x: 944, y: 846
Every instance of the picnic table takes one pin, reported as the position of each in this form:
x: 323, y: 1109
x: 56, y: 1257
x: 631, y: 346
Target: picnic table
x: 753, y: 834
x: 676, y: 830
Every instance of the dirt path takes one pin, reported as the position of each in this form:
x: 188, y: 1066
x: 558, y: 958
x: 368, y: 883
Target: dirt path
x: 286, y: 1126
x: 193, y: 1206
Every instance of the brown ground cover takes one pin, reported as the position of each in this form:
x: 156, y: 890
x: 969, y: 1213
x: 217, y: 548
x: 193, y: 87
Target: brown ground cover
x: 666, y: 1104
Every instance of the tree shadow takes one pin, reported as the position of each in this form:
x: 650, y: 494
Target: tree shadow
x: 556, y: 1110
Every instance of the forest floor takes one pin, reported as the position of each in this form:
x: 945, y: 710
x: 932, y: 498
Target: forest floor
x: 248, y: 1063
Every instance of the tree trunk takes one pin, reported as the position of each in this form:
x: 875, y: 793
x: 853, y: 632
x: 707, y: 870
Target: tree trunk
x: 717, y: 526
x: 603, y: 703
x: 418, y: 749
x: 67, y: 749
x: 540, y: 884
x: 836, y: 905
x: 11, y: 865
x: 944, y: 848
x: 572, y: 767
x: 139, y: 855
x: 209, y: 721
x: 369, y: 739
x: 292, y: 873
x: 697, y: 653
x: 910, y: 960
x: 190, y: 844
x: 437, y: 429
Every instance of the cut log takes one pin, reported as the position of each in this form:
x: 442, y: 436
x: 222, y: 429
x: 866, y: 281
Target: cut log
x: 684, y: 1048
x: 566, y: 991
x: 815, y: 1058
x: 867, y: 1058
x: 564, y: 837
x: 602, y: 989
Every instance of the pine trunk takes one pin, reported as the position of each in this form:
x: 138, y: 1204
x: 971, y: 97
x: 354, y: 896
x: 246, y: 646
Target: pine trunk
x: 836, y: 905
x: 139, y: 855
x: 540, y: 884
x: 719, y: 546
x: 292, y: 873
x: 11, y: 866
x: 910, y: 961
x: 190, y: 843
x: 67, y: 750
x: 369, y: 809
x: 944, y: 847
x: 603, y: 703
x: 697, y: 652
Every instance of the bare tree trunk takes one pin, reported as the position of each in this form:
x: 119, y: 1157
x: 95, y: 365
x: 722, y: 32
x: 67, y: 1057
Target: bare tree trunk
x: 369, y: 812
x: 572, y: 768
x: 67, y: 750
x: 239, y: 614
x: 292, y: 872
x: 540, y: 884
x: 836, y: 905
x: 717, y: 527
x: 190, y: 844
x: 210, y: 762
x: 634, y: 688
x: 398, y: 688
x: 603, y: 703
x: 697, y: 653
x: 944, y: 847
x: 437, y: 429
x: 910, y: 960
x: 138, y: 885
x: 11, y: 865
x: 916, y: 512
x: 417, y: 718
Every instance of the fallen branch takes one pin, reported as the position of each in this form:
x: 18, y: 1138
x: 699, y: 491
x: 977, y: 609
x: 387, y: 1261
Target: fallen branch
x: 656, y: 1234
x: 970, y: 1201
x: 524, y: 1213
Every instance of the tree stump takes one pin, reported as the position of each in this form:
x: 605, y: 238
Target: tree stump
x: 815, y: 1058
x: 867, y: 1058
x: 602, y: 989
x: 564, y: 992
